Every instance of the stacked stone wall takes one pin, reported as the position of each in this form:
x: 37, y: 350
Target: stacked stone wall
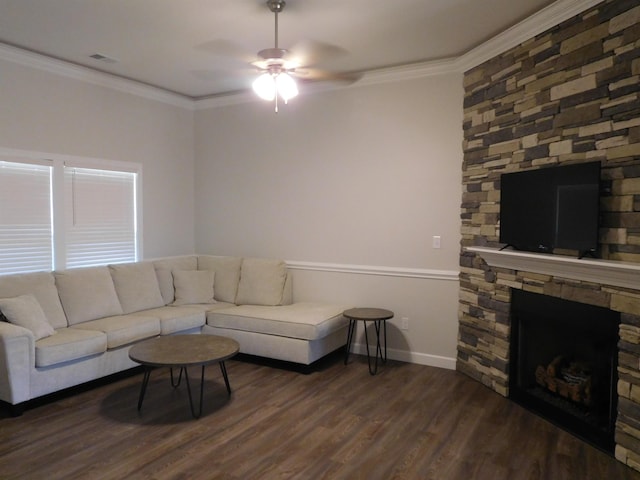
x: 569, y: 95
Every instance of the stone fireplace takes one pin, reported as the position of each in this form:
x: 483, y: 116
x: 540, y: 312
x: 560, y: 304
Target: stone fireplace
x: 568, y: 95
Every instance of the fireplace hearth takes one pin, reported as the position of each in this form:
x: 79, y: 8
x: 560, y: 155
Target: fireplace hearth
x: 564, y: 364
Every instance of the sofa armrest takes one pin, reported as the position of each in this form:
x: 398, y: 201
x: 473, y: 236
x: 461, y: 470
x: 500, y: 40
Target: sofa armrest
x: 17, y: 359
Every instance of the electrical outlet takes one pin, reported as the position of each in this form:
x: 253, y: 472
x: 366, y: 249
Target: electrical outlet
x: 405, y: 323
x: 436, y: 241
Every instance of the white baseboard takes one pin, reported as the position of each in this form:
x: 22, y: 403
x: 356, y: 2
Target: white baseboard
x: 409, y: 357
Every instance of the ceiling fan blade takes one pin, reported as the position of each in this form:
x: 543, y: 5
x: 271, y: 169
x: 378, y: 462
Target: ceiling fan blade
x: 318, y: 75
x: 310, y: 52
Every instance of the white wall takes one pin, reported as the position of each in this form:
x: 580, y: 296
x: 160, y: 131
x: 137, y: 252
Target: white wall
x: 359, y: 176
x: 46, y: 112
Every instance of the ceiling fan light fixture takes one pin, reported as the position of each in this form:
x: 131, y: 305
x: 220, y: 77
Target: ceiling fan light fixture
x: 265, y: 87
x: 286, y: 86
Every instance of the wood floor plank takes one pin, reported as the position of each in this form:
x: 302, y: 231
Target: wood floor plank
x: 339, y: 422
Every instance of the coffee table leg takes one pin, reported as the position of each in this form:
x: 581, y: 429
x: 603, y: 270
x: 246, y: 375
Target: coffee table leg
x: 143, y: 389
x: 186, y: 377
x: 223, y: 368
x: 176, y: 384
x: 352, y: 327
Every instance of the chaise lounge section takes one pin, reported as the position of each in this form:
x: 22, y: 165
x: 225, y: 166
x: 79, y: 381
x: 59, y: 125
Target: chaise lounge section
x: 70, y: 327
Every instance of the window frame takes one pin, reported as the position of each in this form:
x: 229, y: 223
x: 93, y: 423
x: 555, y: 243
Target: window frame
x: 58, y: 162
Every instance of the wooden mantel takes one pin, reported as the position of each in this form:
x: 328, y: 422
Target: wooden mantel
x: 606, y: 272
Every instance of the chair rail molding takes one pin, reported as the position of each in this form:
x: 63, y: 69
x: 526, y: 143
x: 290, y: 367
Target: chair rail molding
x: 448, y: 275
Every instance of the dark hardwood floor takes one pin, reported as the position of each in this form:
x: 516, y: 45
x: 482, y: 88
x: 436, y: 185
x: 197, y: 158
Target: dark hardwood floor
x: 408, y: 422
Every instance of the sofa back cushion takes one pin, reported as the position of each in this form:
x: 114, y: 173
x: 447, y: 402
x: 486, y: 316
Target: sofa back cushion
x: 137, y: 286
x: 164, y: 268
x: 193, y: 286
x: 227, y: 275
x: 87, y: 294
x: 261, y: 282
x: 42, y: 286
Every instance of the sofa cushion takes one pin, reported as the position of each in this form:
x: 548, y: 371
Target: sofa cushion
x: 177, y: 319
x: 308, y: 321
x: 42, y: 285
x: 87, y: 294
x: 193, y: 286
x: 261, y: 282
x: 123, y: 329
x: 227, y: 275
x: 165, y: 266
x: 69, y: 344
x: 137, y: 286
x: 26, y: 312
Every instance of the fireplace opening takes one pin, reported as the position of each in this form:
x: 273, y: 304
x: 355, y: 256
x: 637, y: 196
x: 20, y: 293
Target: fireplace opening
x: 563, y: 366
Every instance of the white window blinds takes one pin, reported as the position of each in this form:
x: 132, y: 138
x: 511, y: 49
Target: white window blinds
x: 100, y: 216
x: 25, y: 218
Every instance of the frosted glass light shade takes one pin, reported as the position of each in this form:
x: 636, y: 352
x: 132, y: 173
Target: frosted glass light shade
x: 265, y: 87
x: 286, y: 86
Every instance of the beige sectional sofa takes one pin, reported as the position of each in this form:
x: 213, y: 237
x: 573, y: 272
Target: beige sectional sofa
x: 69, y: 327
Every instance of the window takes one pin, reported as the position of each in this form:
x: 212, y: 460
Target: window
x: 25, y: 217
x: 67, y: 212
x: 99, y: 216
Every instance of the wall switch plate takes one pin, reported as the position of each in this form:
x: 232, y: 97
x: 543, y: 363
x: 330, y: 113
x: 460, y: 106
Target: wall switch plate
x: 436, y: 241
x: 405, y: 323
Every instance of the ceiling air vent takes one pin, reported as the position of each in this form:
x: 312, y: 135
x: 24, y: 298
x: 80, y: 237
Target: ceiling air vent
x: 103, y: 58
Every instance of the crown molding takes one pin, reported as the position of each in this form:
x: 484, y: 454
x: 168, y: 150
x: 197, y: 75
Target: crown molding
x: 89, y: 75
x: 408, y: 72
x: 537, y: 23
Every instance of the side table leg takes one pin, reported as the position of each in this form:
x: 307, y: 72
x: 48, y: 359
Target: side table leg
x: 366, y: 336
x: 383, y: 358
x: 143, y: 389
x: 385, y: 341
x: 352, y: 327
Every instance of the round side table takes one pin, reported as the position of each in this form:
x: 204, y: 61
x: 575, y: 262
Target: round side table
x: 379, y: 317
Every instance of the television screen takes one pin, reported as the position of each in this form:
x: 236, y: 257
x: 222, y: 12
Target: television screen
x: 548, y: 208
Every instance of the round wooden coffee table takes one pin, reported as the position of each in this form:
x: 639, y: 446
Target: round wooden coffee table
x: 377, y: 316
x: 182, y: 351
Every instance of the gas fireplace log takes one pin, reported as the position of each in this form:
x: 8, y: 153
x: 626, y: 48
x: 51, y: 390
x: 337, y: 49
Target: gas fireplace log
x: 553, y: 369
x: 571, y: 381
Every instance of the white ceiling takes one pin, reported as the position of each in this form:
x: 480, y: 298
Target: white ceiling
x: 201, y: 48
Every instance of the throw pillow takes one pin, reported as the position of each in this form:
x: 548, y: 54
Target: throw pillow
x: 26, y: 312
x: 165, y: 266
x: 227, y: 275
x: 193, y: 286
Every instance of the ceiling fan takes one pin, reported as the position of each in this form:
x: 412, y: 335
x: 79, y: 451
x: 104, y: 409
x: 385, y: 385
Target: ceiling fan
x: 280, y: 67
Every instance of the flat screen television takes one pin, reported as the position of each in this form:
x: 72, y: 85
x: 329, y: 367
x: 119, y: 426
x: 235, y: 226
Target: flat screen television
x: 549, y: 208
